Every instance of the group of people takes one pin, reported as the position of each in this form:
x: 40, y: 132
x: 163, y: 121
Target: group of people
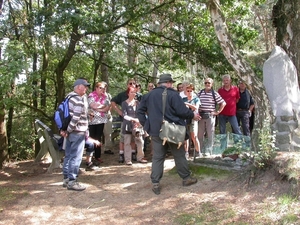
x: 92, y: 119
x: 230, y: 104
x: 141, y: 118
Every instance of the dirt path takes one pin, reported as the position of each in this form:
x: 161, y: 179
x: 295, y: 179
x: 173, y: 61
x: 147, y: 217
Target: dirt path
x: 120, y: 194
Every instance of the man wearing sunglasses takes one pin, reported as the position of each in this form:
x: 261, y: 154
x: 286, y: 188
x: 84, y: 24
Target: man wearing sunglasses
x: 208, y: 111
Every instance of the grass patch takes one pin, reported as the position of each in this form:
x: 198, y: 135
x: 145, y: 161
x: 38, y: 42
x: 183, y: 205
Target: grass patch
x: 6, y: 194
x: 284, y: 211
x: 289, y: 219
x: 207, y: 213
x: 11, y: 193
x: 204, y: 171
x: 186, y: 218
x: 286, y: 199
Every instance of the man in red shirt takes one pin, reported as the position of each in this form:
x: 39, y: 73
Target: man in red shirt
x: 231, y: 95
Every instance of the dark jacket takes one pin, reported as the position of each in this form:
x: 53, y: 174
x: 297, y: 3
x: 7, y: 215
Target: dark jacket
x: 149, y: 111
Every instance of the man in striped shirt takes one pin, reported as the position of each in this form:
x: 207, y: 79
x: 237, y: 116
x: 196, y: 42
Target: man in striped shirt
x: 75, y: 135
x: 208, y: 111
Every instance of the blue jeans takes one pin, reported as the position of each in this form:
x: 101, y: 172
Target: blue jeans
x: 90, y: 147
x: 73, y: 154
x: 158, y: 159
x: 233, y: 122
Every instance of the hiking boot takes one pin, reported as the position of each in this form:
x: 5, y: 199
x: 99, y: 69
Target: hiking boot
x: 189, y: 181
x: 121, y: 158
x: 91, y: 167
x: 156, y: 189
x: 75, y: 186
x: 96, y: 163
x: 65, y: 182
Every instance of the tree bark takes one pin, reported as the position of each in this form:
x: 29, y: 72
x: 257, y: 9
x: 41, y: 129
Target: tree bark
x: 3, y: 136
x: 242, y: 68
x: 286, y: 19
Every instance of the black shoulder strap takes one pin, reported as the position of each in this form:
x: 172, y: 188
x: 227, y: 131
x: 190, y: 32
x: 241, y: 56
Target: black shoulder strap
x: 214, y: 96
x: 164, y: 99
x: 201, y: 92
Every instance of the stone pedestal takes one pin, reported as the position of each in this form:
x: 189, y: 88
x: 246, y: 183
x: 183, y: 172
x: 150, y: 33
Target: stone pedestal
x: 281, y: 83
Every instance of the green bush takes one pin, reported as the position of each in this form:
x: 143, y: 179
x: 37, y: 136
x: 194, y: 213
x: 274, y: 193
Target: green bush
x: 267, y: 149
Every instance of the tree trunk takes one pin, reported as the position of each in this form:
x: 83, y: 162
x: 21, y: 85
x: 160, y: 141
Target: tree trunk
x: 104, y: 71
x: 131, y: 54
x: 9, y: 124
x: 286, y: 19
x: 3, y: 137
x: 262, y: 105
x: 98, y: 57
x: 62, y: 65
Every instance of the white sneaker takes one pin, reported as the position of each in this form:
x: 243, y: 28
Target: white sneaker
x: 75, y: 186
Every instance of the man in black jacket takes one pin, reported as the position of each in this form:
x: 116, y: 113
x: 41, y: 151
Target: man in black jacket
x: 244, y: 108
x: 150, y: 116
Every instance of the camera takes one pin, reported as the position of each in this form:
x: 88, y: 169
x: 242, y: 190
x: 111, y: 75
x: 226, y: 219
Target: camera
x: 138, y: 131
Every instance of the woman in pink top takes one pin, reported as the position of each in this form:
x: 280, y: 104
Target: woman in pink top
x: 98, y: 106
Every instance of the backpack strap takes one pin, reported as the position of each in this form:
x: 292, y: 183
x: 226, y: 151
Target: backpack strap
x: 164, y: 99
x: 213, y: 94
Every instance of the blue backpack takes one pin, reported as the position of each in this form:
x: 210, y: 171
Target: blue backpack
x: 62, y: 115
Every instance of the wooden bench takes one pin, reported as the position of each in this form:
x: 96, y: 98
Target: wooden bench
x: 116, y: 128
x: 48, y: 142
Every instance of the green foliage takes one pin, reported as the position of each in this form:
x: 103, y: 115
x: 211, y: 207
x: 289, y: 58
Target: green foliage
x: 286, y: 199
x: 232, y: 150
x: 10, y: 64
x: 204, y: 171
x: 22, y: 139
x: 174, y: 36
x: 7, y: 194
x: 207, y: 213
x: 267, y: 149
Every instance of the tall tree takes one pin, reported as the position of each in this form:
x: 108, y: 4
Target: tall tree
x: 242, y: 68
x: 286, y: 19
x: 3, y: 135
